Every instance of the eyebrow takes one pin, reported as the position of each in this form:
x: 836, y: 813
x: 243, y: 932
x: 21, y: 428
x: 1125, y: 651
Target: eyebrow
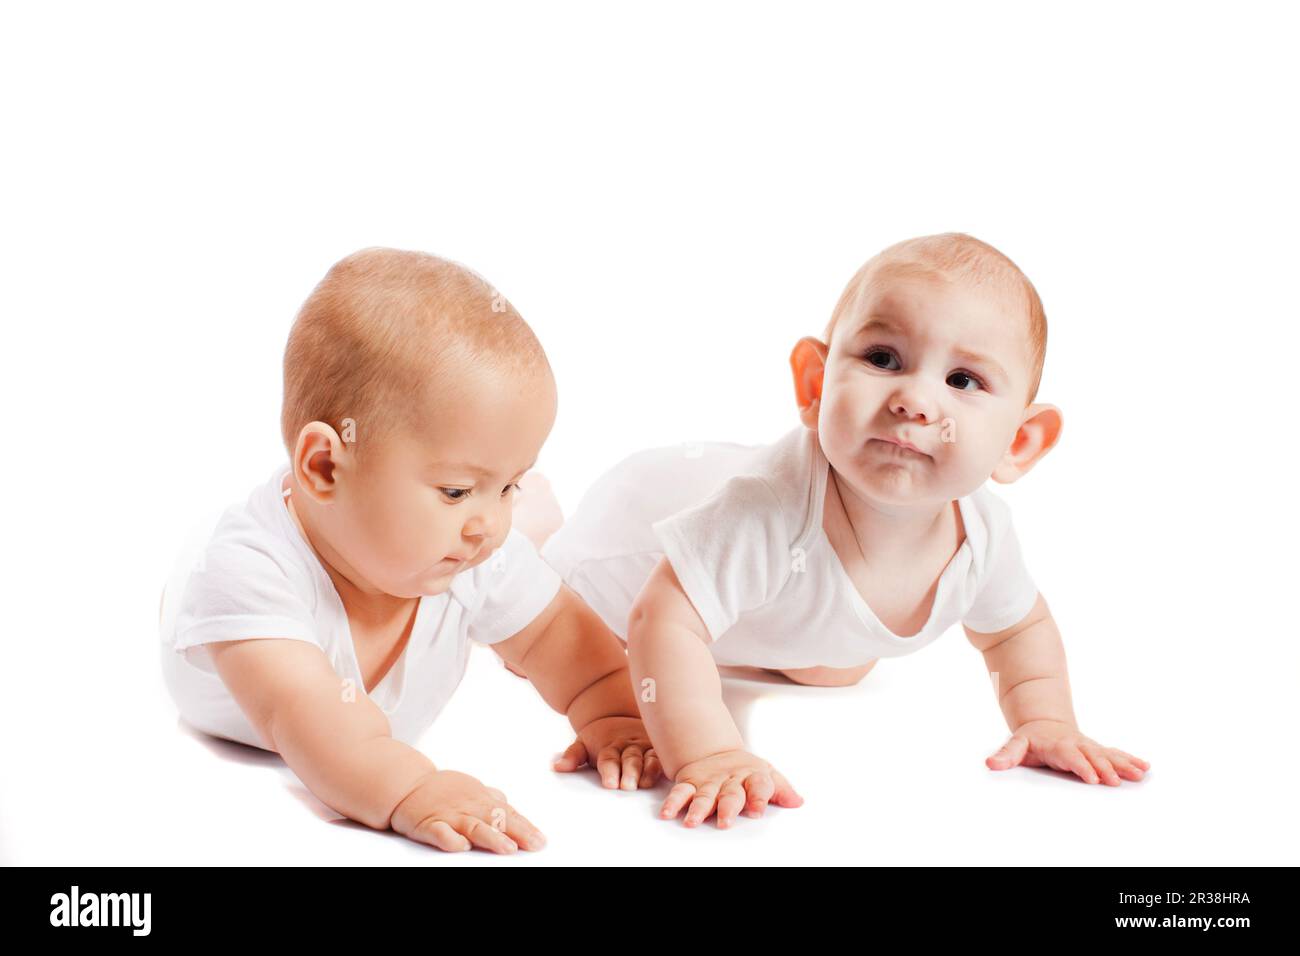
x: 471, y: 468
x: 879, y: 324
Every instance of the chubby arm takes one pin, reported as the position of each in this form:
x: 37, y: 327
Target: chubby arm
x: 1027, y: 663
x: 573, y: 661
x: 340, y: 745
x: 668, y: 643
x: 576, y: 663
x: 578, y: 666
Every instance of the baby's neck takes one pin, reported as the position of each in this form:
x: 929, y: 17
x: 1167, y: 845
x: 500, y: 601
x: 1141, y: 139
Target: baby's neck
x: 887, y: 535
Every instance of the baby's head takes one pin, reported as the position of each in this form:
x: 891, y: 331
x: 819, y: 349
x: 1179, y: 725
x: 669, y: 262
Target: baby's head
x: 414, y: 398
x: 937, y: 342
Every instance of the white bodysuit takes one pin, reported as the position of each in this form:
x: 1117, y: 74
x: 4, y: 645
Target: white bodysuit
x: 742, y: 527
x: 258, y: 577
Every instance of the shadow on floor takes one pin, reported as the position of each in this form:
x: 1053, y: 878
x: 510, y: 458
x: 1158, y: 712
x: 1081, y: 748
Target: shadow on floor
x: 235, y: 752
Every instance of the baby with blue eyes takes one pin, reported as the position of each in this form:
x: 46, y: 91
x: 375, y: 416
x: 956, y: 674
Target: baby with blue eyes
x: 865, y: 532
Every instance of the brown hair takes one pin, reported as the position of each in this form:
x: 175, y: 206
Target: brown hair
x: 959, y: 256
x: 377, y: 333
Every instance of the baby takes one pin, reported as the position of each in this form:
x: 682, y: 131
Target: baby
x: 329, y: 616
x: 864, y: 533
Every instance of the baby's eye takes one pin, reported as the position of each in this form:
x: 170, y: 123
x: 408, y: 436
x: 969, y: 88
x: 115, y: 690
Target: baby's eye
x: 967, y: 377
x: 881, y: 359
x: 873, y: 353
x: 455, y: 494
x: 505, y: 491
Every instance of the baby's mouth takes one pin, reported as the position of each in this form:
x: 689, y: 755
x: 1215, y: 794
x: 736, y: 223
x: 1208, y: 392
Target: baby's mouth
x: 897, y: 448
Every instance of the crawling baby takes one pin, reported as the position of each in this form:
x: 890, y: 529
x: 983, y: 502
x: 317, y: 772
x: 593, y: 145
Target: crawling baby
x: 329, y: 617
x: 865, y: 532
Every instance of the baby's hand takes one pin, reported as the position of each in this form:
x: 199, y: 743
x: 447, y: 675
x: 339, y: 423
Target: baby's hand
x: 617, y: 742
x: 1051, y: 743
x: 735, y: 780
x: 454, y: 811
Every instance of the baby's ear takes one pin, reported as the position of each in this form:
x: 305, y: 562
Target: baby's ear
x: 808, y: 363
x: 316, y: 458
x: 1039, y: 431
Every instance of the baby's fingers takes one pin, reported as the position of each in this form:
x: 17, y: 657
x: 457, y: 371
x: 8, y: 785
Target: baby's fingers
x: 785, y: 795
x: 609, y: 767
x: 1120, y: 755
x: 633, y: 761
x: 1102, y: 765
x: 760, y: 787
x: 1069, y: 757
x: 678, y: 797
x: 572, y: 758
x: 702, y: 805
x: 730, y: 802
x: 1127, y: 766
x: 651, y: 771
x: 485, y: 835
x: 521, y: 830
x: 441, y: 835
x: 1011, y: 754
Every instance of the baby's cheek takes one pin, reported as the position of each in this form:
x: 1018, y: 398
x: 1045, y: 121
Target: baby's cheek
x: 428, y: 529
x: 972, y: 458
x: 838, y: 426
x: 400, y: 530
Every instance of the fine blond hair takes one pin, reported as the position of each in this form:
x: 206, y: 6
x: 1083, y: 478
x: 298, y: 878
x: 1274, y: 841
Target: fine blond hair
x: 964, y: 258
x: 385, y: 330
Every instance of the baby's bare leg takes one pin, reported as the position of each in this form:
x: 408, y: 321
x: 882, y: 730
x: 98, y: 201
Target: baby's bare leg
x: 536, y: 510
x: 537, y: 514
x: 827, y: 676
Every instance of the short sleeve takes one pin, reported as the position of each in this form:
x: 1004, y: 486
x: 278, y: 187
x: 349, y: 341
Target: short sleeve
x: 508, y: 590
x: 1007, y: 593
x: 731, y: 552
x: 237, y: 591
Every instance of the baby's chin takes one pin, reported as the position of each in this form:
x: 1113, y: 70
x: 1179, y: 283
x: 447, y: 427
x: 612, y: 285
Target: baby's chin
x: 904, y: 485
x: 431, y: 583
x: 896, y: 489
x: 425, y: 583
x: 437, y: 579
x: 891, y: 476
x: 895, y: 479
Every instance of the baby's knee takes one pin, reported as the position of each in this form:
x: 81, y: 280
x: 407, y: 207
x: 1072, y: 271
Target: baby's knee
x: 828, y: 676
x: 536, y: 511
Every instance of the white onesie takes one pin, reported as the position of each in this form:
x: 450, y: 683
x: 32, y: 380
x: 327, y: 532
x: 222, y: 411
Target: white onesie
x: 742, y: 527
x: 258, y: 577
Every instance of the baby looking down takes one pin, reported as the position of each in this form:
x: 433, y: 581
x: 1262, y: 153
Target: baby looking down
x: 329, y: 617
x: 865, y: 532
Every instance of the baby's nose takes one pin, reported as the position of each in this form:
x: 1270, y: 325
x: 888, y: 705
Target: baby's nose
x: 914, y: 398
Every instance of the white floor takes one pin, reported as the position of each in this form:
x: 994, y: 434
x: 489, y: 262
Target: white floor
x: 892, y: 773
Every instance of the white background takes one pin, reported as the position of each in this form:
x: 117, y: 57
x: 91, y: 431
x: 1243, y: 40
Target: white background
x: 672, y: 195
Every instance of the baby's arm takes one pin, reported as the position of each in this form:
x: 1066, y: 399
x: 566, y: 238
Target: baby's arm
x: 691, y: 728
x: 340, y: 745
x: 1027, y: 664
x: 578, y: 666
